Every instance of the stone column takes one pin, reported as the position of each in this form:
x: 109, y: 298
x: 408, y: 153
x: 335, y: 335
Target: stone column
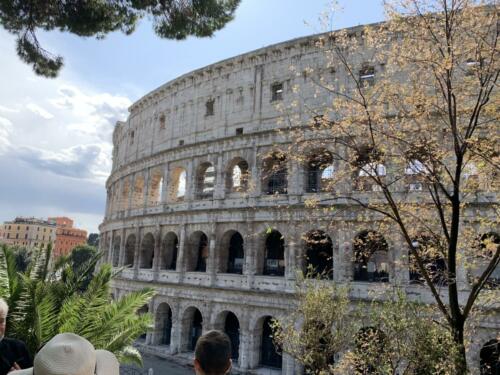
x: 211, y: 262
x: 145, y: 190
x: 122, y: 248
x: 220, y: 182
x: 175, y: 338
x: 180, y: 266
x: 109, y: 258
x: 149, y: 335
x: 157, y: 253
x: 255, y: 182
x: 293, y: 177
x: 190, y: 182
x: 290, y: 259
x: 243, y: 360
x: 137, y: 252
x: 131, y: 188
x: 166, y: 182
x: 250, y: 266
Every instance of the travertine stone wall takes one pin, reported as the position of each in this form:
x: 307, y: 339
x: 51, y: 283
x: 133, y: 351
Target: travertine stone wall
x: 170, y: 131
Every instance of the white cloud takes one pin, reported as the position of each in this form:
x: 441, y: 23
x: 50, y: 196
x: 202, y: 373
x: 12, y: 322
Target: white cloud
x: 5, y: 130
x: 37, y: 110
x: 8, y: 110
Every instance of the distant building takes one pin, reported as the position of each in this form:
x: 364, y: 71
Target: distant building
x: 28, y: 231
x: 67, y: 237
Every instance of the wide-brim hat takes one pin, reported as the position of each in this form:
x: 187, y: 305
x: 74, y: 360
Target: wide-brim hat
x: 70, y: 354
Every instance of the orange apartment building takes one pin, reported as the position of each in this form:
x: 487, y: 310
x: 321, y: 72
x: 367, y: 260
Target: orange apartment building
x: 67, y: 237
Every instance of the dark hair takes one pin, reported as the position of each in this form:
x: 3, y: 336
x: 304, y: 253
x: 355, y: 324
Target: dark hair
x: 213, y: 352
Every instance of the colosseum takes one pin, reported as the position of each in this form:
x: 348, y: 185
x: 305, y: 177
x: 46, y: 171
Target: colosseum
x: 192, y: 212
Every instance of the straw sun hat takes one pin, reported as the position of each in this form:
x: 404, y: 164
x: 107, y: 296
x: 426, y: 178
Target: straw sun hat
x: 70, y: 354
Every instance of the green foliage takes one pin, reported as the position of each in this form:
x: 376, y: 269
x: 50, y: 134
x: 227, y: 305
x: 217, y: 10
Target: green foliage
x: 93, y: 239
x: 392, y: 335
x: 176, y: 19
x: 68, y: 296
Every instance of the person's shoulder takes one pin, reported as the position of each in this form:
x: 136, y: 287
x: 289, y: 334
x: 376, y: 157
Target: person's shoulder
x: 13, y: 342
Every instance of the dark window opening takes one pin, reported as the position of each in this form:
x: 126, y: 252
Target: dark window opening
x: 433, y: 261
x: 320, y: 172
x: 166, y: 321
x: 236, y: 256
x: 370, y: 258
x: 201, y: 262
x: 275, y: 255
x: 196, y: 329
x: 209, y: 106
x: 319, y: 254
x: 239, y: 131
x: 367, y: 76
x: 181, y: 142
x: 232, y: 329
x: 277, y: 92
x: 270, y: 355
x: 275, y: 174
x: 490, y: 358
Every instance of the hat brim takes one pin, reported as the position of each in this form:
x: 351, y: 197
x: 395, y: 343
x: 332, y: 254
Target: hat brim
x: 106, y: 363
x: 28, y: 371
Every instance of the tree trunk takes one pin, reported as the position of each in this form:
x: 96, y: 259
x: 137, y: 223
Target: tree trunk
x: 458, y: 337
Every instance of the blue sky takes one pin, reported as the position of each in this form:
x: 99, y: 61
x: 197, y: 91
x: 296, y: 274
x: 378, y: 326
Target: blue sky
x: 55, y: 135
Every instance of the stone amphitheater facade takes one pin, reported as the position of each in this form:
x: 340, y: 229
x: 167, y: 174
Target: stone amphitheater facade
x: 191, y: 213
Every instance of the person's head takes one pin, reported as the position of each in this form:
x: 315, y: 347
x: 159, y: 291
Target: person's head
x: 70, y: 354
x: 4, y: 309
x: 212, y: 355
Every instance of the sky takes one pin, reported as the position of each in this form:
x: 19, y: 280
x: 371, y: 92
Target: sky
x: 55, y: 134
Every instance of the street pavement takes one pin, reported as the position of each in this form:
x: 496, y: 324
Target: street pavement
x: 161, y: 366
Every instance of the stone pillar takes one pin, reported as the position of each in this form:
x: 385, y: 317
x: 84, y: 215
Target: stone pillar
x: 220, y: 182
x: 109, y: 258
x: 145, y: 190
x: 131, y: 188
x: 122, y: 248
x: 182, y: 253
x: 290, y: 259
x: 175, y: 338
x: 344, y: 266
x: 212, y: 262
x: 137, y: 252
x: 157, y: 253
x: 288, y: 365
x: 251, y: 251
x: 255, y: 180
x: 190, y: 182
x: 166, y: 182
x: 149, y: 335
x: 294, y: 177
x: 243, y: 360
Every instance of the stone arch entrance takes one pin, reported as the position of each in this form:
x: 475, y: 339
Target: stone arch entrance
x: 319, y: 254
x: 169, y: 250
x: 275, y: 254
x: 270, y: 355
x: 191, y: 328
x: 232, y: 253
x: 147, y: 251
x: 129, y: 251
x: 163, y: 324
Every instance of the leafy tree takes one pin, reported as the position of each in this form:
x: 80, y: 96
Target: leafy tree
x: 411, y: 124
x: 329, y: 335
x: 49, y: 299
x: 175, y: 19
x: 93, y: 239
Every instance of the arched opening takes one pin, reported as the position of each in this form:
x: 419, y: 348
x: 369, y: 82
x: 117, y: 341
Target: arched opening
x: 275, y: 254
x: 237, y: 176
x: 155, y: 187
x: 435, y: 265
x: 129, y: 251
x: 270, y: 355
x: 116, y: 251
x: 319, y: 255
x: 232, y: 329
x: 205, y: 181
x: 147, y: 251
x: 275, y: 174
x: 490, y: 358
x: 319, y: 171
x: 177, y: 190
x: 169, y: 250
x: 124, y: 195
x: 195, y: 329
x: 164, y: 324
x: 236, y: 254
x: 137, y: 196
x: 486, y: 247
x: 369, y: 169
x: 143, y: 310
x: 198, y: 252
x: 370, y: 350
x: 371, y: 257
